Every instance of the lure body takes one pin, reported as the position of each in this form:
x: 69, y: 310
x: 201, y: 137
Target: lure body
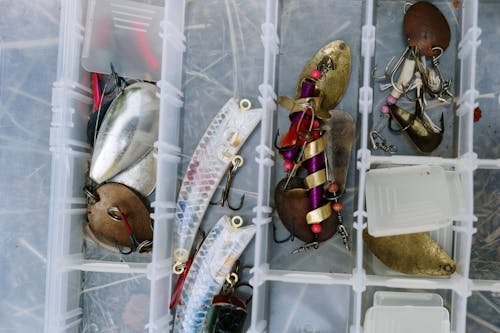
x: 415, y: 254
x: 128, y: 131
x: 213, y: 262
x: 102, y: 224
x: 220, y: 143
x: 140, y: 176
x: 226, y: 315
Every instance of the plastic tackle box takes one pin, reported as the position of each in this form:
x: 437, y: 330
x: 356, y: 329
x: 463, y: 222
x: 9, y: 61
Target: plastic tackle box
x: 216, y: 49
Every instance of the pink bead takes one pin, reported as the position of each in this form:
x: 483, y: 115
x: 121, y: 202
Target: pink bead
x: 385, y: 109
x: 333, y: 187
x: 391, y: 99
x: 337, y: 206
x: 315, y: 123
x: 316, y: 228
x: 288, y: 165
x: 316, y: 135
x: 315, y: 74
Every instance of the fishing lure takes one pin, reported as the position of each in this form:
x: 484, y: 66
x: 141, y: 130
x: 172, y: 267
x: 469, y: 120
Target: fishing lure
x: 120, y: 216
x: 141, y: 176
x: 415, y: 254
x: 221, y: 142
x: 213, y: 262
x: 320, y: 87
x: 428, y: 35
x: 228, y: 312
x: 128, y: 131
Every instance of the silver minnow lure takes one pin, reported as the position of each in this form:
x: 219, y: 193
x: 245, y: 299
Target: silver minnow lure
x: 211, y: 265
x: 128, y: 131
x: 140, y: 176
x: 220, y: 143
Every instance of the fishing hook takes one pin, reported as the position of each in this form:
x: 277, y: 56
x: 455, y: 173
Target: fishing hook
x: 236, y: 163
x: 379, y: 142
x: 290, y: 237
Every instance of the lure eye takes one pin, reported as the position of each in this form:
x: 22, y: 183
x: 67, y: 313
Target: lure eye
x: 447, y: 268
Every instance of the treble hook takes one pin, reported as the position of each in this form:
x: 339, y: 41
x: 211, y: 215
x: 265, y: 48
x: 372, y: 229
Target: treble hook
x: 236, y: 163
x: 389, y: 70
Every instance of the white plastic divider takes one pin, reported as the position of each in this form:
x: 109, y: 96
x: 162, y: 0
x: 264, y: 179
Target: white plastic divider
x: 160, y: 269
x: 264, y: 159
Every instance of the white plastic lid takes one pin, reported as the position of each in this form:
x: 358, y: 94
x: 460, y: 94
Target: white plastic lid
x: 411, y: 199
x: 394, y: 298
x: 407, y: 319
x: 125, y: 33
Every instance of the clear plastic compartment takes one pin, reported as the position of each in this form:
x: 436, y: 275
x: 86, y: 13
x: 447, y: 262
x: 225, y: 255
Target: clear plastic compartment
x: 309, y: 308
x: 485, y: 255
x: 297, y: 21
x: 482, y: 315
x: 115, y: 302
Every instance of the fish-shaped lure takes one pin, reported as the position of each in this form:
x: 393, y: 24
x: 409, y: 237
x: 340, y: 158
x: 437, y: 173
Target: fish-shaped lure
x: 220, y: 143
x: 415, y: 254
x: 211, y: 265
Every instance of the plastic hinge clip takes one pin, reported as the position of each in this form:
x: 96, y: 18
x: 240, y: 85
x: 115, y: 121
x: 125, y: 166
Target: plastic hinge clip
x: 173, y: 35
x: 270, y: 38
x: 258, y: 275
x: 368, y: 41
x: 365, y: 99
x: 168, y: 152
x: 260, y: 221
x: 169, y: 88
x: 266, y: 90
x: 266, y: 161
x: 267, y: 97
x: 159, y: 270
x: 466, y: 102
x: 468, y: 162
x: 461, y: 285
x: 358, y: 280
x: 262, y: 210
x: 363, y: 162
x: 469, y: 42
x: 267, y: 103
x: 265, y: 155
x: 170, y: 94
x: 264, y: 150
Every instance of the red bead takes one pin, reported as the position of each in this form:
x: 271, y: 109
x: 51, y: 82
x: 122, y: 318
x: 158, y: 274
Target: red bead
x: 316, y: 135
x: 333, y: 187
x: 316, y: 228
x: 316, y: 123
x: 337, y: 206
x: 315, y: 74
x: 288, y: 165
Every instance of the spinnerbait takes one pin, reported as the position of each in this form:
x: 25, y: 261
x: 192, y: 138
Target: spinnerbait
x: 320, y: 87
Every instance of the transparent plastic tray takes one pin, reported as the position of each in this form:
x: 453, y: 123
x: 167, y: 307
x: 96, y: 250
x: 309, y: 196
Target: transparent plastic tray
x: 213, y: 50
